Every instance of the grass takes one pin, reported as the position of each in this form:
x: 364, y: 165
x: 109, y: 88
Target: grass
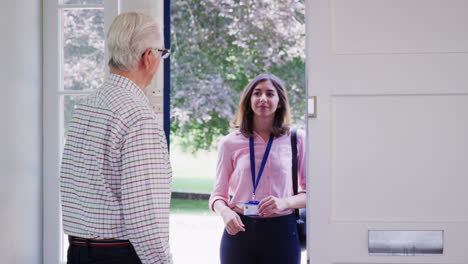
x: 179, y: 206
x: 192, y: 184
x: 193, y: 172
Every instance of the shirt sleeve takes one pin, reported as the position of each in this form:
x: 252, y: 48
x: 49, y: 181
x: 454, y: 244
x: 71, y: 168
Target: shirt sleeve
x: 301, y: 161
x: 224, y: 169
x: 146, y: 179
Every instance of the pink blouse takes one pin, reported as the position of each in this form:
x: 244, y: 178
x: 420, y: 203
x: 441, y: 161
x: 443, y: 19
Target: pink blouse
x: 233, y: 169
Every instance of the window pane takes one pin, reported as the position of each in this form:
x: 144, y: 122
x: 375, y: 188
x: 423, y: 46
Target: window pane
x: 69, y: 104
x: 83, y: 48
x: 86, y: 2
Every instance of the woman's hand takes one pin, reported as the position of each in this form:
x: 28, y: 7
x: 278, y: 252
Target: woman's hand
x: 270, y: 205
x: 232, y: 221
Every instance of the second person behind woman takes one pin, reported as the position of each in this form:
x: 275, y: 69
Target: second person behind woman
x: 255, y: 167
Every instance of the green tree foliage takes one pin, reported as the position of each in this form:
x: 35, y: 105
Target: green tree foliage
x: 218, y: 47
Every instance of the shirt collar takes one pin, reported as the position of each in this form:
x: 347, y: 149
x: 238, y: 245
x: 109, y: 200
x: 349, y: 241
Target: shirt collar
x: 255, y: 135
x: 120, y: 81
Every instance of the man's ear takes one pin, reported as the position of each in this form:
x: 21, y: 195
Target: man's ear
x: 145, y: 58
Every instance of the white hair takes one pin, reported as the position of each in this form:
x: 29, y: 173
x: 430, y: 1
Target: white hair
x: 129, y: 36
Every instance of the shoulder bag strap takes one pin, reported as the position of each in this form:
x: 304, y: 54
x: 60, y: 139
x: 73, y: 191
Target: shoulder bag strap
x: 294, y: 165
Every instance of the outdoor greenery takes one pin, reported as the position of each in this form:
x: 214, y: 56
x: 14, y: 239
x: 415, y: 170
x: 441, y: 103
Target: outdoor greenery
x: 218, y: 46
x: 189, y: 206
x: 198, y: 184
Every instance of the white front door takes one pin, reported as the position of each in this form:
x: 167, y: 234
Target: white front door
x: 388, y: 149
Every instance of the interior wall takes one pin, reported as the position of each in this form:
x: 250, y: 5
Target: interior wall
x: 20, y: 133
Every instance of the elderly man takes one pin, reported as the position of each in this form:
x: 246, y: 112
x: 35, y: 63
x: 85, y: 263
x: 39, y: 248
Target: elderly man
x: 115, y: 174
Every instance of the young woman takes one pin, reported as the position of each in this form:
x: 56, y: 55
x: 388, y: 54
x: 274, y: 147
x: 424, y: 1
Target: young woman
x: 255, y: 167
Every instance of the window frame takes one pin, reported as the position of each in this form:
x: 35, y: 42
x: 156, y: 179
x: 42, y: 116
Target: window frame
x: 52, y: 238
x: 52, y: 121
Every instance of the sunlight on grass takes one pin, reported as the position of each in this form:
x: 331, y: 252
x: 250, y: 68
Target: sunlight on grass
x: 193, y: 172
x: 192, y: 184
x: 179, y: 206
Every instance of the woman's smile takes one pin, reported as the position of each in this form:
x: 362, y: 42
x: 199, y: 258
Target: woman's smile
x: 264, y: 99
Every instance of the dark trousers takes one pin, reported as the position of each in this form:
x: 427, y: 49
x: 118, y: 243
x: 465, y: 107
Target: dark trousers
x: 265, y: 240
x: 102, y: 255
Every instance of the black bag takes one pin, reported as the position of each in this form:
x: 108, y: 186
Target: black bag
x: 300, y: 213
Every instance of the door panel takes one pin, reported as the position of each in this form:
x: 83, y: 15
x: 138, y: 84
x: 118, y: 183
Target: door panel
x: 399, y: 26
x: 388, y: 148
x: 408, y: 162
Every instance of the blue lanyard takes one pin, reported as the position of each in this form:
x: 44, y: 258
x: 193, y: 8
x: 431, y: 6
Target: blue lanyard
x: 262, y: 166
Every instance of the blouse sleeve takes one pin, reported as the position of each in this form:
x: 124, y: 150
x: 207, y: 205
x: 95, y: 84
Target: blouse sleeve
x: 224, y: 170
x: 301, y: 152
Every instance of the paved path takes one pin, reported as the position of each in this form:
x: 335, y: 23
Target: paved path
x: 195, y: 238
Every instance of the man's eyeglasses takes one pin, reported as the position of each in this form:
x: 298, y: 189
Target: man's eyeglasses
x: 164, y: 52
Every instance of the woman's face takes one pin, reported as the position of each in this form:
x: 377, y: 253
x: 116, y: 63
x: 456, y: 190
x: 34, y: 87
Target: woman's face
x: 264, y: 100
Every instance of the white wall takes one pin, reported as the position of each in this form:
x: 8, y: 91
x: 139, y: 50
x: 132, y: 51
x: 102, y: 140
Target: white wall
x: 20, y: 132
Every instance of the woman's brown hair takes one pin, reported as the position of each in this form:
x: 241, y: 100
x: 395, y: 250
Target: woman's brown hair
x: 243, y: 120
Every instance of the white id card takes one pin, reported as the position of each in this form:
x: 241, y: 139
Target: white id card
x: 251, y: 208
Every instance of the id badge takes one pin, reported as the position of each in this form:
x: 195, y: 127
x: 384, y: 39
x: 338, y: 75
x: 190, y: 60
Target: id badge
x: 251, y: 208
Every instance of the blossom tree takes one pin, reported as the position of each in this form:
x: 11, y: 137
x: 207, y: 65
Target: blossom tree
x: 218, y: 47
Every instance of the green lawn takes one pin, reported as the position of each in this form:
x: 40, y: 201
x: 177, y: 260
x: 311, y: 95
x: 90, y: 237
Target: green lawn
x: 193, y: 172
x: 192, y: 184
x: 179, y: 206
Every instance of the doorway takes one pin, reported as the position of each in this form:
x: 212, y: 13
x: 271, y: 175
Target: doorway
x: 217, y: 48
